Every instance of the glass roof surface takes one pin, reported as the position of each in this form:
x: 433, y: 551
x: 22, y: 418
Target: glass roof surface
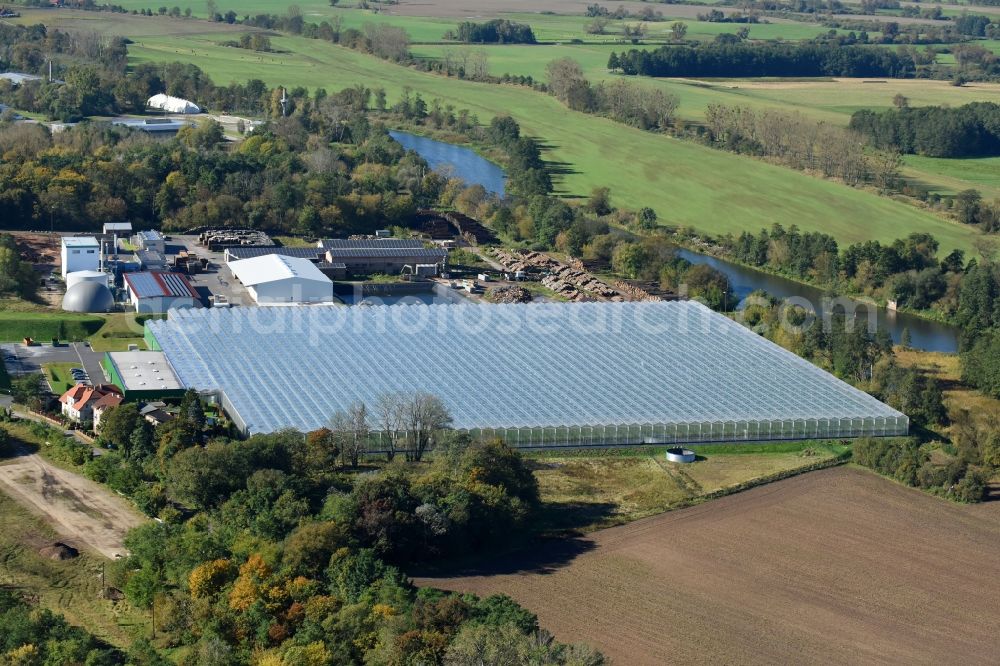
x: 502, y: 366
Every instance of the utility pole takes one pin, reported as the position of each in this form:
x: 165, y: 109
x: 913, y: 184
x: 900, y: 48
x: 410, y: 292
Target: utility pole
x: 153, y: 623
x: 284, y: 103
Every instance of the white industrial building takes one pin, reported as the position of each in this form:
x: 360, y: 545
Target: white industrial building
x: 158, y: 292
x: 172, y: 104
x: 150, y: 240
x: 80, y: 253
x: 274, y: 279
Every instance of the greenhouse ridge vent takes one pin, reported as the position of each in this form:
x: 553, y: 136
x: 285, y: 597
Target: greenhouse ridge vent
x: 537, y: 375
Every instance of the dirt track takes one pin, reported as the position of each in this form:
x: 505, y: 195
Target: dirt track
x: 837, y: 566
x: 84, y: 513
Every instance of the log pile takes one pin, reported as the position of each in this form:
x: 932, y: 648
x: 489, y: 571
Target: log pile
x: 571, y: 281
x: 509, y: 294
x: 633, y: 292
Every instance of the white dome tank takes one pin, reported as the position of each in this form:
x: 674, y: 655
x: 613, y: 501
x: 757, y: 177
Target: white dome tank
x: 77, y: 277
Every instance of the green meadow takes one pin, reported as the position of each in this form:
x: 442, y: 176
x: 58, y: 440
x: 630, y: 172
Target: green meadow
x: 687, y: 184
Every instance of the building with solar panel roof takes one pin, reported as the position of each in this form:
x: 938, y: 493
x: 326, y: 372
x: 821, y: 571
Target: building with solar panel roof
x: 158, y: 291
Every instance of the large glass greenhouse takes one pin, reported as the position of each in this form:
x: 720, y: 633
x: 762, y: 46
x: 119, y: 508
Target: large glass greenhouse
x: 537, y: 375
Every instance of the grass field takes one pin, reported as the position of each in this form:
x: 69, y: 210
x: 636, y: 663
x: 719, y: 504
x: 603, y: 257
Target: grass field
x: 70, y: 587
x: 949, y: 176
x: 591, y: 490
x: 947, y: 369
x: 833, y: 566
x: 685, y: 183
x: 59, y: 376
x: 118, y: 332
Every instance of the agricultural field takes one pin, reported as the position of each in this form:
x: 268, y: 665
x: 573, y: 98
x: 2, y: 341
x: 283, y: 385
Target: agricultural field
x: 584, y: 491
x: 837, y: 565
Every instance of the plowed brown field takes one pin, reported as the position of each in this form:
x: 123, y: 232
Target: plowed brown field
x: 836, y: 566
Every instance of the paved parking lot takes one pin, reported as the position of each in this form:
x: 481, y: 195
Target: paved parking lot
x: 21, y: 360
x: 217, y: 279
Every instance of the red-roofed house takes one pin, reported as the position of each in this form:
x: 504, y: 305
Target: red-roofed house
x: 87, y: 403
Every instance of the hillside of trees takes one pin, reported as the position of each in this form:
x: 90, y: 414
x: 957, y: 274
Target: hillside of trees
x: 970, y: 130
x: 769, y: 59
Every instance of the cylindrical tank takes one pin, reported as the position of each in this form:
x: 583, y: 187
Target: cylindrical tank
x: 86, y: 276
x: 679, y: 455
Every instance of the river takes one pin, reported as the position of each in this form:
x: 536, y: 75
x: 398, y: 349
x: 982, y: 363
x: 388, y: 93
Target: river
x: 463, y: 162
x: 924, y: 334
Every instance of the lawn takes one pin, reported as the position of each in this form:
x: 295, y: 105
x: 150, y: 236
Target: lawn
x: 59, y: 376
x: 595, y: 489
x: 119, y: 331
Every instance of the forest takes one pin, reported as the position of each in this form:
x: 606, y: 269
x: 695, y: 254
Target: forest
x: 771, y: 59
x: 970, y: 130
x: 276, y: 550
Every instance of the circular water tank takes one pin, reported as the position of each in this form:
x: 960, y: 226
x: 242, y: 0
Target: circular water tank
x: 88, y: 297
x: 77, y: 277
x: 679, y: 455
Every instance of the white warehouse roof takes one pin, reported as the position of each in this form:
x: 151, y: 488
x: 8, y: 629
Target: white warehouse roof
x: 276, y: 267
x: 172, y: 104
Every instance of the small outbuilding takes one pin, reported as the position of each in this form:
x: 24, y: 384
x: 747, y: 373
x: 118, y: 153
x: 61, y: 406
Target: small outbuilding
x: 151, y: 240
x: 172, y: 104
x: 155, y: 291
x: 274, y: 279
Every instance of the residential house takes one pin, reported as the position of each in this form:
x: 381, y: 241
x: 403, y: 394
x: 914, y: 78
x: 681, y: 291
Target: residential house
x: 79, y: 402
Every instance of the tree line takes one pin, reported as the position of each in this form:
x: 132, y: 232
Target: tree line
x: 621, y: 101
x: 970, y: 130
x: 800, y: 143
x: 768, y: 59
x: 495, y: 31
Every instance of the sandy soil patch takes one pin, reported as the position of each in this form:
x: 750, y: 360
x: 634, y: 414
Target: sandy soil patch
x: 836, y: 566
x: 83, y: 512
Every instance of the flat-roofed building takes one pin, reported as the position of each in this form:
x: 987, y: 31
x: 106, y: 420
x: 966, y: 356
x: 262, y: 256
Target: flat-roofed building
x: 156, y: 291
x: 80, y: 253
x: 142, y: 375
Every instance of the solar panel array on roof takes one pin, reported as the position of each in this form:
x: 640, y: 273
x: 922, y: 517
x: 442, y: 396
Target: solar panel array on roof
x: 555, y: 374
x: 386, y: 252
x: 153, y: 284
x: 250, y: 251
x: 369, y: 243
